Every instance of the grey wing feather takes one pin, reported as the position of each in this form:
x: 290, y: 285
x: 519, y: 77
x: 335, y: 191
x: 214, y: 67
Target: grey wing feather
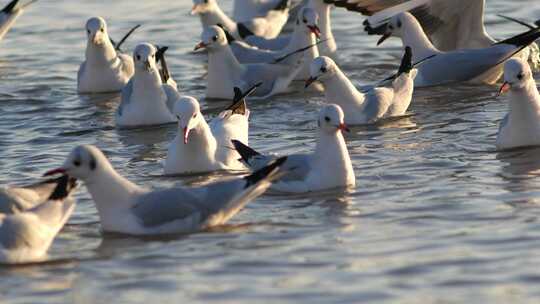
x: 126, y: 96
x: 82, y: 68
x: 172, y: 95
x: 377, y: 103
x: 164, y: 206
x: 298, y: 167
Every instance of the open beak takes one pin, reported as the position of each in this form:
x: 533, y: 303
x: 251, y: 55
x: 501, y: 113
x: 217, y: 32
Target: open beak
x: 315, y: 30
x: 504, y: 88
x: 195, y: 9
x: 200, y: 45
x: 343, y: 127
x: 309, y: 81
x: 186, y: 135
x: 384, y: 37
x: 55, y: 171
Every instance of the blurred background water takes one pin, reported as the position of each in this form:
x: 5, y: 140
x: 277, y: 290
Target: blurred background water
x: 438, y: 216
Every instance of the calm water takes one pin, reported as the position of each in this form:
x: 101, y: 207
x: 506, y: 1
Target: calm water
x: 437, y: 217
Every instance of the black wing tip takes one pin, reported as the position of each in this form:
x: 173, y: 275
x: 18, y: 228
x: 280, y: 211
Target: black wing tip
x: 245, y: 151
x: 523, y: 39
x: 406, y: 62
x: 160, y: 54
x: 243, y: 31
x: 239, y: 95
x: 263, y: 173
x: 10, y: 7
x: 65, y: 185
x: 379, y: 30
x: 281, y: 6
x: 228, y: 35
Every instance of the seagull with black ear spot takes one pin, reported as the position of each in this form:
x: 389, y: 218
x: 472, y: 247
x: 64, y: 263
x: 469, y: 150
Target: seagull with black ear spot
x: 146, y: 99
x: 201, y: 147
x: 9, y: 14
x: 328, y: 167
x: 105, y: 69
x: 127, y: 208
x: 521, y: 126
x: 365, y: 107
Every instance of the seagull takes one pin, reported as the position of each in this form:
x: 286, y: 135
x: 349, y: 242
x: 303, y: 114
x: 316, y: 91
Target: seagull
x: 148, y: 98
x: 105, y: 69
x: 303, y: 42
x: 19, y: 199
x: 327, y: 168
x: 201, y: 147
x: 225, y: 72
x: 126, y: 208
x: 471, y: 65
x: 9, y: 14
x: 268, y: 26
x: 27, y: 235
x: 327, y: 46
x: 521, y: 126
x: 370, y: 107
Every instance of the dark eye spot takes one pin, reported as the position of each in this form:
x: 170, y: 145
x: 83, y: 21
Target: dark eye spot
x: 194, y: 115
x: 323, y: 69
x: 215, y: 38
x: 305, y: 21
x: 138, y: 57
x: 102, y: 30
x: 399, y: 23
x: 178, y: 116
x: 88, y: 31
x: 93, y: 164
x: 205, y: 1
x: 520, y: 76
x: 327, y: 119
x: 390, y: 27
x: 76, y: 163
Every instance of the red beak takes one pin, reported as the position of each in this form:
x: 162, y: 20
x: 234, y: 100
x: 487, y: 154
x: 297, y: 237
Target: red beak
x: 315, y: 30
x: 55, y: 171
x: 383, y: 38
x: 504, y: 88
x: 200, y: 45
x: 343, y: 127
x: 186, y: 135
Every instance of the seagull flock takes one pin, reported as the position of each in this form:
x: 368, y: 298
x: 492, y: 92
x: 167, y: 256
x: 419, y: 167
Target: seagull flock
x: 264, y: 48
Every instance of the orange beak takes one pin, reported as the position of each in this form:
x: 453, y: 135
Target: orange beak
x: 504, y: 88
x: 186, y: 135
x: 383, y: 38
x: 343, y: 127
x: 315, y: 30
x: 200, y: 45
x: 309, y: 81
x: 55, y: 171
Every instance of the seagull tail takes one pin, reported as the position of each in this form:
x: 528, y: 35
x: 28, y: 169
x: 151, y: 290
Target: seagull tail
x: 245, y: 152
x: 10, y: 7
x: 268, y: 173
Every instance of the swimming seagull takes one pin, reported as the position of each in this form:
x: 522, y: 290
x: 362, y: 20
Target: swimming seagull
x: 19, y: 199
x: 225, y: 72
x: 370, y: 107
x: 268, y: 26
x: 26, y: 236
x: 521, y: 126
x: 471, y: 65
x: 148, y: 98
x: 306, y: 32
x: 124, y: 207
x: 9, y: 14
x: 202, y: 147
x: 328, y: 167
x: 105, y: 69
x: 327, y: 47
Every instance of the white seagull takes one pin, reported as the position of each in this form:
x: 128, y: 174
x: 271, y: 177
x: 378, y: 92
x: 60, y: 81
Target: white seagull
x: 327, y: 47
x: 9, y: 14
x: 369, y: 107
x: 124, y: 207
x: 225, y: 72
x: 268, y: 26
x: 149, y: 97
x: 327, y: 168
x: 105, y: 68
x: 18, y: 199
x: 521, y: 126
x: 26, y: 236
x: 201, y: 147
x: 469, y: 65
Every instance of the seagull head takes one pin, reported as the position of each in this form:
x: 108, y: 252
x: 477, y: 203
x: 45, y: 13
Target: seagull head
x: 321, y: 68
x: 202, y: 6
x: 517, y: 73
x: 212, y: 38
x: 188, y: 112
x: 395, y: 26
x: 309, y: 20
x: 96, y: 31
x: 83, y: 163
x: 144, y: 57
x: 331, y: 119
